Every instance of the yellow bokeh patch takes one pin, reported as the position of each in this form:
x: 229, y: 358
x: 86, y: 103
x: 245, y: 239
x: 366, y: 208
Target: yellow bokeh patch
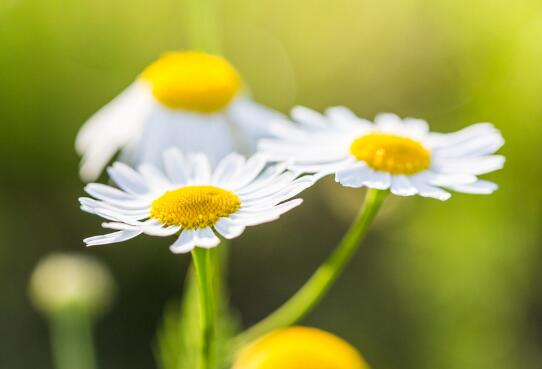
x: 192, y: 80
x: 300, y: 348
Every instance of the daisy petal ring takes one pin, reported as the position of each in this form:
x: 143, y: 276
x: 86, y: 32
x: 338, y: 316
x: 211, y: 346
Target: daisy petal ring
x: 190, y: 100
x: 191, y: 199
x: 392, y: 153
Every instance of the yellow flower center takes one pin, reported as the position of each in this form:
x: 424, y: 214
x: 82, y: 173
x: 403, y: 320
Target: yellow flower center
x: 192, y: 80
x: 299, y: 348
x: 194, y: 206
x: 392, y: 154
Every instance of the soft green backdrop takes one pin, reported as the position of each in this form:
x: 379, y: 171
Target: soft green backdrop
x: 437, y: 285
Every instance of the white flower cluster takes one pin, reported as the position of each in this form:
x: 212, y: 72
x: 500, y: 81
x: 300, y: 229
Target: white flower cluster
x: 182, y: 122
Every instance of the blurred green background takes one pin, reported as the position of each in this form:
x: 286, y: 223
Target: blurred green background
x: 437, y: 285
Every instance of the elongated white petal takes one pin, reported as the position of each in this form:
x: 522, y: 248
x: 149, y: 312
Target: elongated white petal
x: 206, y: 238
x: 227, y: 168
x: 116, y: 125
x: 114, y: 237
x: 479, y: 187
x: 228, y: 228
x: 185, y: 242
x: 308, y: 117
x: 175, y: 166
x: 127, y: 178
x: 401, y: 186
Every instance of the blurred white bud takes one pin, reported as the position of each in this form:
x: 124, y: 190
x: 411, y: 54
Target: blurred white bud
x: 64, y: 281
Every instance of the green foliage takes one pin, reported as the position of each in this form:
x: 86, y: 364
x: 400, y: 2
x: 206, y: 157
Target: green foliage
x: 179, y: 337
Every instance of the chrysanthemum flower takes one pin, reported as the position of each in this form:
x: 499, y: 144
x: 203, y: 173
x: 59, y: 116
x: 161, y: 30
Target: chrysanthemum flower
x: 391, y: 153
x: 300, y: 348
x: 190, y: 100
x: 192, y: 199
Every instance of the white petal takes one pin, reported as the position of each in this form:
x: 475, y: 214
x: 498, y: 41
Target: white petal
x: 388, y: 122
x: 378, y: 180
x: 354, y: 176
x: 228, y: 228
x: 175, y: 166
x: 308, y: 117
x: 479, y: 187
x: 401, y: 186
x: 200, y: 168
x: 206, y: 238
x: 250, y: 218
x: 228, y: 167
x: 154, y: 177
x: 476, y: 165
x: 114, y: 237
x: 185, y: 243
x: 415, y: 128
x: 426, y: 190
x: 210, y: 134
x: 251, y: 121
x: 113, y: 127
x: 127, y: 179
x: 344, y: 118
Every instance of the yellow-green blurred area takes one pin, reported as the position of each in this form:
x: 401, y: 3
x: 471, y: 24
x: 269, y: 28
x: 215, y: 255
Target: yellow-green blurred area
x: 451, y: 285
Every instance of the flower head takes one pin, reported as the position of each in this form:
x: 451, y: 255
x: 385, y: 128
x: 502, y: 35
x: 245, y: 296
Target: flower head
x: 192, y: 199
x: 300, y: 348
x: 392, y: 153
x: 64, y: 281
x: 190, y: 100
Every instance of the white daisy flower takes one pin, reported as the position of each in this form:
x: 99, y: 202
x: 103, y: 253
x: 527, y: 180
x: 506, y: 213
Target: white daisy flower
x: 391, y: 153
x: 190, y: 100
x: 191, y: 199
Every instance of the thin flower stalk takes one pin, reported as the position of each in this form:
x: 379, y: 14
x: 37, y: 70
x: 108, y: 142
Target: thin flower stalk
x: 300, y: 304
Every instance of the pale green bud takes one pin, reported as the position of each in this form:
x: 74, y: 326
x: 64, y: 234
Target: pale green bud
x: 70, y: 281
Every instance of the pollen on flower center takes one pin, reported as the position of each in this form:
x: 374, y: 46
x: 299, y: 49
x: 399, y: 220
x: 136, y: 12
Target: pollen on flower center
x: 192, y: 80
x: 194, y: 206
x: 390, y: 153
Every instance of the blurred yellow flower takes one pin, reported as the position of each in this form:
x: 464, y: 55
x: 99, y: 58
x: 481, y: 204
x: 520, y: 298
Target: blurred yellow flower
x: 300, y: 348
x: 190, y: 100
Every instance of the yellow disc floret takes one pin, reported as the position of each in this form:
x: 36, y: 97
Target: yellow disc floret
x: 192, y: 80
x: 300, y: 348
x: 194, y: 206
x: 390, y: 153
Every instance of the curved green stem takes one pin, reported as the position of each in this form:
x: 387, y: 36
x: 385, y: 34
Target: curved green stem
x: 71, y: 339
x: 300, y: 304
x: 202, y: 265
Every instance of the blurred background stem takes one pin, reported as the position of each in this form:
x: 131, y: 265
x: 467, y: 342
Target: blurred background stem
x: 203, y: 32
x: 202, y: 265
x: 71, y: 332
x: 300, y: 304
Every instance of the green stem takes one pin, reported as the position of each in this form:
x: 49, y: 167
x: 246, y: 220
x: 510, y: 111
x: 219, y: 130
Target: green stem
x: 202, y: 21
x: 299, y: 305
x: 71, y: 338
x: 203, y: 268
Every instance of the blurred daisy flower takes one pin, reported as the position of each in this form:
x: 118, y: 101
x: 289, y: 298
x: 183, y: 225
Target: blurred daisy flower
x: 190, y: 100
x: 392, y: 153
x: 192, y: 199
x: 300, y: 348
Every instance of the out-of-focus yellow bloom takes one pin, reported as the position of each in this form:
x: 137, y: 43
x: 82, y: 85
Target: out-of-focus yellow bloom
x: 64, y: 281
x: 300, y: 348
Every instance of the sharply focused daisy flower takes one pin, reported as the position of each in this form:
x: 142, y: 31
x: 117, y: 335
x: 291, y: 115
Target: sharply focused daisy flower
x: 190, y: 100
x: 192, y: 199
x: 391, y: 153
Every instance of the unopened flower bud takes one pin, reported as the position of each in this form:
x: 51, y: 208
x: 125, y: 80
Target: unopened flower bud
x: 66, y: 281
